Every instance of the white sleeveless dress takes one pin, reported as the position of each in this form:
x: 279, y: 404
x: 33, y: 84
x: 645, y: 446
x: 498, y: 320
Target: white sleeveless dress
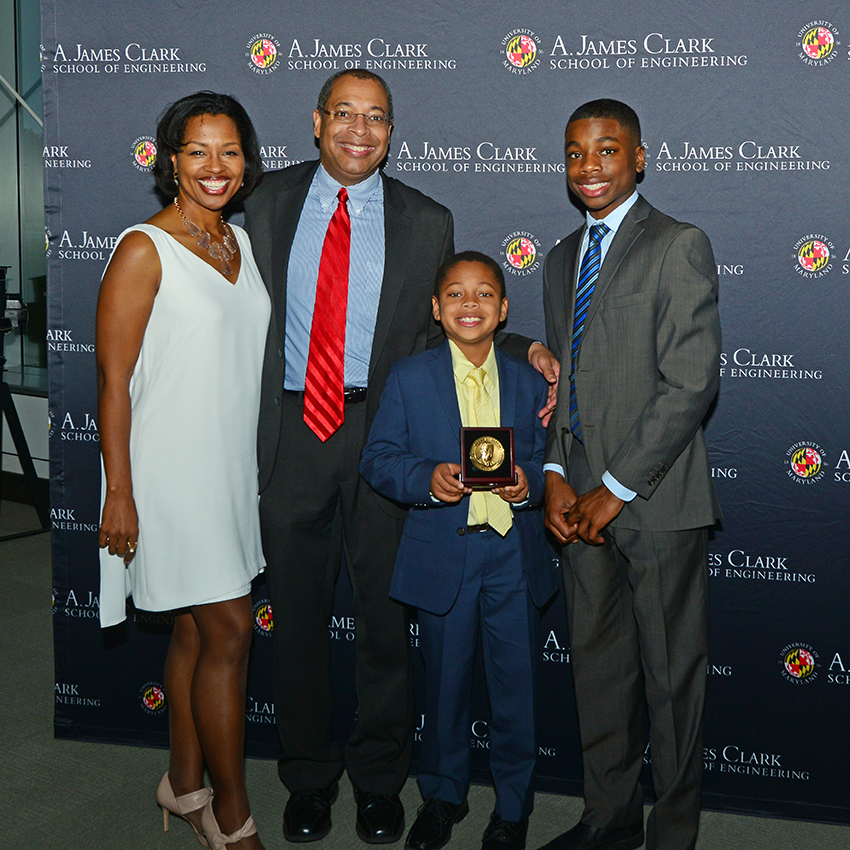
x: 195, y: 395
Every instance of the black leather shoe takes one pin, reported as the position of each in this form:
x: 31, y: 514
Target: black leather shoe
x: 307, y: 816
x: 380, y: 817
x: 432, y: 828
x: 504, y: 834
x: 583, y: 836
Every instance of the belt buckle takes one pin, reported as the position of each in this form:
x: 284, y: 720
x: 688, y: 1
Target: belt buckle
x: 353, y: 395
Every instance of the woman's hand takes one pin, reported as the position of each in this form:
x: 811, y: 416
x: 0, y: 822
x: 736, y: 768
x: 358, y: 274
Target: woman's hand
x: 119, y: 527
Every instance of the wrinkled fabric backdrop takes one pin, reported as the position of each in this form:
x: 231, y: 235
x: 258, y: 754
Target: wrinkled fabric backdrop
x: 744, y: 112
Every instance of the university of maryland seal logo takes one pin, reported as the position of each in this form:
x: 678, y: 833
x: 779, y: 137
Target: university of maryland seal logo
x: 153, y: 698
x: 144, y: 153
x: 521, y: 253
x: 263, y: 52
x: 521, y: 50
x: 805, y: 463
x: 799, y: 663
x: 817, y: 42
x: 263, y: 620
x: 813, y: 255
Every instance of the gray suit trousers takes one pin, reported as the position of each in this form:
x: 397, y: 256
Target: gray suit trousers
x: 638, y: 615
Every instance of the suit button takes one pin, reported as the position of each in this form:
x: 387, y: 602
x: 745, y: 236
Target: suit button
x: 277, y: 401
x: 280, y: 353
x: 461, y: 532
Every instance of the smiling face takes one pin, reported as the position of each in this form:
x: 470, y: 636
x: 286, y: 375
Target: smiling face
x: 352, y: 152
x: 603, y: 162
x: 210, y: 165
x: 470, y: 308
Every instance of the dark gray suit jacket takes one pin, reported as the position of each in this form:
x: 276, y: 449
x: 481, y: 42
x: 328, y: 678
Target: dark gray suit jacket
x: 419, y: 236
x: 648, y: 366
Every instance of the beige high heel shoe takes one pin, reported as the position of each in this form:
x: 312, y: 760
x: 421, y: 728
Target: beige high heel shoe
x: 216, y: 839
x: 181, y: 806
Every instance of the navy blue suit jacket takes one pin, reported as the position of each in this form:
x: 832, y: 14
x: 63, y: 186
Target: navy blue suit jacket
x: 415, y: 429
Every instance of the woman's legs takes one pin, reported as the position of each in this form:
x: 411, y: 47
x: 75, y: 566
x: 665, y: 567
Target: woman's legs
x: 218, y: 706
x: 206, y: 673
x: 186, y: 761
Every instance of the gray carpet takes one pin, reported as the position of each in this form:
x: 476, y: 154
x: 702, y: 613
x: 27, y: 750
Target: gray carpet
x: 65, y: 794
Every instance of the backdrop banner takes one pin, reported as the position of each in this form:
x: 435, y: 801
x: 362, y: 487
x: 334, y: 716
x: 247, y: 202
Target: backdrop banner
x: 741, y: 107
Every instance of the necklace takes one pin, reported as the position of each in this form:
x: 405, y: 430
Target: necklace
x: 224, y: 250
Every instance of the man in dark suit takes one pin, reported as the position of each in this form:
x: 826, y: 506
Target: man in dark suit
x: 313, y: 500
x: 631, y: 309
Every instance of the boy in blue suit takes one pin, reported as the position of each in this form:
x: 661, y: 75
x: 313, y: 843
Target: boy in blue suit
x: 453, y: 565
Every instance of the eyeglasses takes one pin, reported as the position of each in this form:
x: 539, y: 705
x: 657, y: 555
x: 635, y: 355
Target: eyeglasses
x: 345, y: 116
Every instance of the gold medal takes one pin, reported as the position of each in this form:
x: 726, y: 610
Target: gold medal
x: 487, y: 454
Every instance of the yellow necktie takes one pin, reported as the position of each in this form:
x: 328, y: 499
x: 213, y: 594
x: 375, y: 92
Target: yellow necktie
x: 499, y: 516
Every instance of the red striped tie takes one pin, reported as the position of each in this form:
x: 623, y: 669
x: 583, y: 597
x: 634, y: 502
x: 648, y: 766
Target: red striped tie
x: 324, y: 404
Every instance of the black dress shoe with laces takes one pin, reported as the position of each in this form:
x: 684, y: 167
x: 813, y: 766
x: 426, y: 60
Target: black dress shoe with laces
x: 307, y: 816
x: 504, y: 834
x: 380, y: 817
x: 583, y: 836
x: 432, y: 828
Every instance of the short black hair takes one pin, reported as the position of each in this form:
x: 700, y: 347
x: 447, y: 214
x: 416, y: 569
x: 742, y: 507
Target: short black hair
x: 171, y: 129
x: 469, y: 257
x: 357, y: 73
x: 620, y: 112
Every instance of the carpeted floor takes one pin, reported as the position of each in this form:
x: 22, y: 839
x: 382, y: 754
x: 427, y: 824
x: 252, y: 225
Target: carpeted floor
x: 64, y: 794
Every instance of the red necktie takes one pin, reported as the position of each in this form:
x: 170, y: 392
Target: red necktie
x: 324, y: 403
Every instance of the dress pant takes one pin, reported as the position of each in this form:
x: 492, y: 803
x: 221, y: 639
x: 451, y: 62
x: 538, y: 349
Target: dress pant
x: 638, y: 614
x: 493, y: 600
x: 315, y: 504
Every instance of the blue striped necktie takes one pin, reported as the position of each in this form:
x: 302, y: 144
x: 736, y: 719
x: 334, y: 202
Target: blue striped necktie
x: 587, y: 275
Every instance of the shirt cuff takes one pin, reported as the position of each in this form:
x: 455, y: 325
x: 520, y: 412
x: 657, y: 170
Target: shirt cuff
x: 616, y: 488
x: 555, y: 467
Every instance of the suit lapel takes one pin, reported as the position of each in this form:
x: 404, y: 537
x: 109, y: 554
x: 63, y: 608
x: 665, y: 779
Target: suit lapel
x: 507, y: 389
x: 572, y: 258
x: 442, y: 373
x: 287, y: 213
x: 627, y: 234
x: 397, y: 226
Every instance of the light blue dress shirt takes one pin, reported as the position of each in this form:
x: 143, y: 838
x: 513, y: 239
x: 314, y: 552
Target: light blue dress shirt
x: 366, y: 273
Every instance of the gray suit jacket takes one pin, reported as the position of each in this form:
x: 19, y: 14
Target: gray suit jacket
x: 647, y: 369
x: 419, y: 236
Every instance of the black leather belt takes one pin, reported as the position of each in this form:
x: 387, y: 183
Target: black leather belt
x: 483, y: 527
x: 352, y: 395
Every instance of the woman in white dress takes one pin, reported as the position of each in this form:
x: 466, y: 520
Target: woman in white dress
x: 181, y: 325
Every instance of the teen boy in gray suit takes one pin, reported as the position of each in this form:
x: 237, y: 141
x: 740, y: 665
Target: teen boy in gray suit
x: 631, y: 310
